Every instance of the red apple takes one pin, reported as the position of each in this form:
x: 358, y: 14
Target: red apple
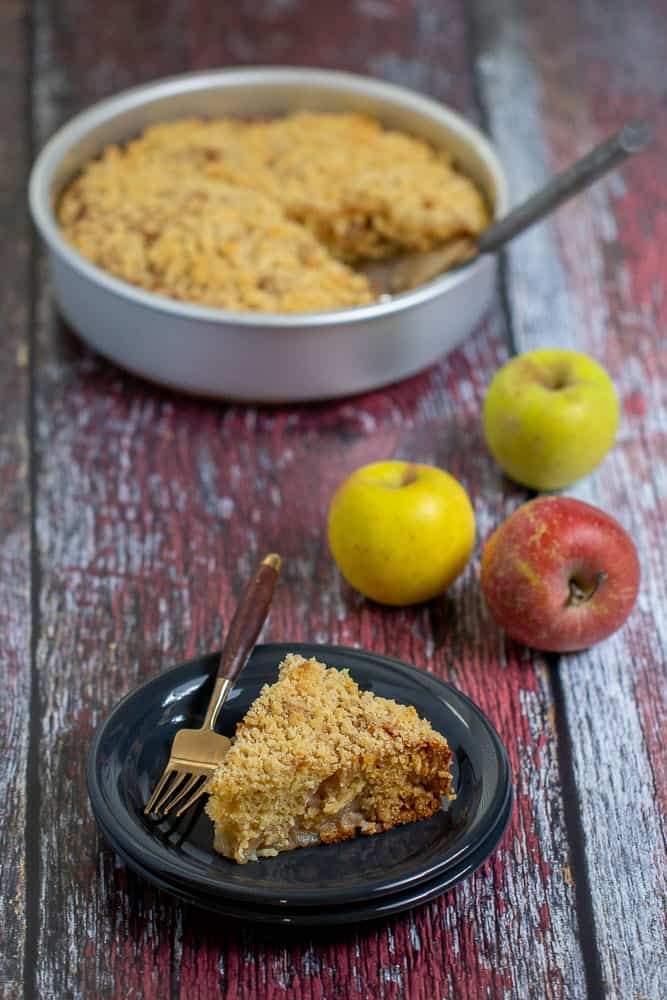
x: 559, y: 574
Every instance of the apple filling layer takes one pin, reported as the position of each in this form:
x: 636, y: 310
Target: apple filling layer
x: 318, y: 761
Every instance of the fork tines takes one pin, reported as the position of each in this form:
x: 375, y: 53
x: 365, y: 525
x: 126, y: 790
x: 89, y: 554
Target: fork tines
x: 175, y: 780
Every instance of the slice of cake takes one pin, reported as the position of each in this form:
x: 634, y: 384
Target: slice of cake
x: 317, y: 760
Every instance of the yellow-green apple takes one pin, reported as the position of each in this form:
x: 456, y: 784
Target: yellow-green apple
x: 550, y: 416
x: 559, y: 574
x: 401, y: 532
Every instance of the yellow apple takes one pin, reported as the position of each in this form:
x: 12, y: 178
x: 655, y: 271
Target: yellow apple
x: 550, y: 416
x: 400, y: 532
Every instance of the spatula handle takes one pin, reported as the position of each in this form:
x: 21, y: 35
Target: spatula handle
x: 249, y: 617
x: 632, y: 138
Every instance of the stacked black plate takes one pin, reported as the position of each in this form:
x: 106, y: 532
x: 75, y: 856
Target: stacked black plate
x: 357, y: 880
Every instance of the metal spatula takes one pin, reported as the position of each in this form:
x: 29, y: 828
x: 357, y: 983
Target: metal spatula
x: 196, y: 753
x: 413, y: 269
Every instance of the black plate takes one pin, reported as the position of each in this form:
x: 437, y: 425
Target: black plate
x: 374, y: 909
x: 131, y: 748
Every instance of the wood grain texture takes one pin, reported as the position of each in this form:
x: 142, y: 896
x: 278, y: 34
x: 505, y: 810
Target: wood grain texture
x: 14, y: 498
x: 594, y: 279
x: 152, y: 512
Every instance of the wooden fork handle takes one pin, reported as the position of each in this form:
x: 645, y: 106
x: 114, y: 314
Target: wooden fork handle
x: 250, y: 615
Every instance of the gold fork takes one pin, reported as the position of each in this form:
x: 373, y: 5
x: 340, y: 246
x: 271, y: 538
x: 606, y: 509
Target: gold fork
x: 196, y: 753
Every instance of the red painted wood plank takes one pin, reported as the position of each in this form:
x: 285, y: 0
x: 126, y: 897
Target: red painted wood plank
x: 594, y: 279
x: 152, y: 510
x: 14, y: 499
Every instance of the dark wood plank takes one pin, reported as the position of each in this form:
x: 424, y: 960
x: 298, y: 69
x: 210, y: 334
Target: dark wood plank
x: 14, y: 494
x: 594, y: 279
x: 153, y: 509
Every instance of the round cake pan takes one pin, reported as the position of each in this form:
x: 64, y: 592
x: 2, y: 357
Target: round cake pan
x: 263, y: 357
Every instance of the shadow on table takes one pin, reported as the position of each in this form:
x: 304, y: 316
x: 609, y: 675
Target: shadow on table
x: 132, y: 903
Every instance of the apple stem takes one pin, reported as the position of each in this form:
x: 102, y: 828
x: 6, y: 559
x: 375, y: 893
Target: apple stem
x: 580, y: 593
x: 409, y: 475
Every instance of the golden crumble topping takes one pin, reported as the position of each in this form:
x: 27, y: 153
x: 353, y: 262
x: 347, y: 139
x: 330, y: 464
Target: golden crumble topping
x: 265, y: 215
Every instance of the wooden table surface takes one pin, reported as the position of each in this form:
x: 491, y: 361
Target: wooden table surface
x: 130, y: 516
